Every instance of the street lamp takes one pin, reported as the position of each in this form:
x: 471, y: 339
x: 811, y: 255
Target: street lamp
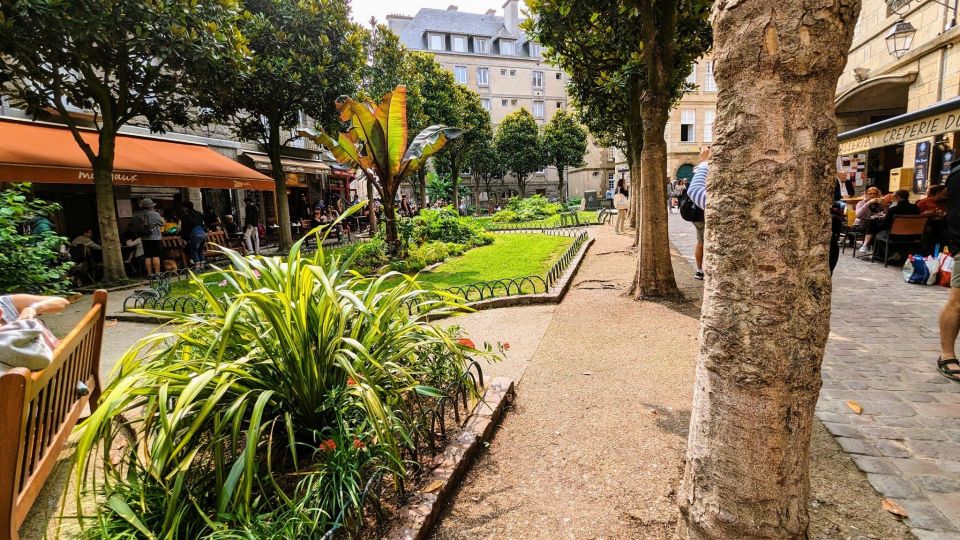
x: 900, y: 38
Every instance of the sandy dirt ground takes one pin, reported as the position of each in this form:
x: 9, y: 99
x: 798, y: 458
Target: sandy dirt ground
x: 594, y: 445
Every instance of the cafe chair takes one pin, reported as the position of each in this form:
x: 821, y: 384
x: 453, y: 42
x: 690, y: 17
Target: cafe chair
x: 905, y: 232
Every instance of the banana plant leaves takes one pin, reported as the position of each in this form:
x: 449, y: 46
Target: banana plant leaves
x: 377, y: 138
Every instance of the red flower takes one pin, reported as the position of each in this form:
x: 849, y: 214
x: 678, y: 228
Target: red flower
x: 328, y: 445
x: 351, y: 381
x: 466, y: 342
x: 358, y: 444
x: 506, y: 346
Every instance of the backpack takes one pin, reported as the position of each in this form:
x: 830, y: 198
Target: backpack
x: 139, y: 225
x: 689, y: 211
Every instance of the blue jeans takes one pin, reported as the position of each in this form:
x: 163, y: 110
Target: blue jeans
x: 197, y: 243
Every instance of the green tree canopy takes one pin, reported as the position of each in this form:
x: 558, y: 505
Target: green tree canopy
x: 474, y: 120
x: 485, y: 165
x: 519, y: 145
x: 304, y: 54
x: 564, y: 144
x: 123, y: 61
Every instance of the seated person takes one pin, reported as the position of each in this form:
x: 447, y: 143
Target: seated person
x: 171, y: 225
x: 134, y: 254
x: 28, y: 306
x: 870, y: 214
x: 935, y: 202
x: 231, y: 226
x: 901, y: 206
x: 318, y: 219
x: 86, y: 240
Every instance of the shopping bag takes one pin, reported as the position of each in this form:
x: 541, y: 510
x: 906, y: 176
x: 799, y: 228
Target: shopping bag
x: 921, y: 270
x: 946, y: 269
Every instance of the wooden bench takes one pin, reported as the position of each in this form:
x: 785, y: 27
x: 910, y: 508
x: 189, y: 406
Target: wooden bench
x: 38, y: 410
x: 220, y: 238
x: 175, y: 248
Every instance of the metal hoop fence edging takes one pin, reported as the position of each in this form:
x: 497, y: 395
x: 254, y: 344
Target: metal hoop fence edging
x: 539, y: 225
x: 432, y: 414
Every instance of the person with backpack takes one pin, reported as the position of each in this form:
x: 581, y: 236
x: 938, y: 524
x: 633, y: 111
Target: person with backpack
x: 694, y: 201
x: 621, y: 201
x: 194, y: 232
x: 147, y: 224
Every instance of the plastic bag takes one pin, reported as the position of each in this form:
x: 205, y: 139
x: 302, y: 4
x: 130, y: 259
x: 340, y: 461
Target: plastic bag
x: 946, y: 269
x: 921, y: 270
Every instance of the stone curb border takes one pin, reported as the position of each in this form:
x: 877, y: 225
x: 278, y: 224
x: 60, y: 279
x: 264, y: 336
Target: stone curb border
x: 423, y: 509
x: 560, y: 289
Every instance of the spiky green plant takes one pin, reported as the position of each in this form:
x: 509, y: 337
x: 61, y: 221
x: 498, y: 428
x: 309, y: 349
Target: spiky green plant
x: 267, y: 414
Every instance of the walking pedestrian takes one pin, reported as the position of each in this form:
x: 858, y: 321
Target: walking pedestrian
x: 697, y: 192
x: 947, y: 363
x: 621, y: 201
x: 251, y: 226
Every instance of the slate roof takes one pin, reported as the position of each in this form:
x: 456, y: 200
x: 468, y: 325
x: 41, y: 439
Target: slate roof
x: 414, y: 35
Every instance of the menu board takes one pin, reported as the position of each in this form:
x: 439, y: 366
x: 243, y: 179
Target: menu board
x: 921, y: 167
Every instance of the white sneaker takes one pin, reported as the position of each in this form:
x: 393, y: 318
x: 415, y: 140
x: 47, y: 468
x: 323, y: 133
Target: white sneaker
x: 863, y: 249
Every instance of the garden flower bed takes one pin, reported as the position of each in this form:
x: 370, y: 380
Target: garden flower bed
x: 301, y: 393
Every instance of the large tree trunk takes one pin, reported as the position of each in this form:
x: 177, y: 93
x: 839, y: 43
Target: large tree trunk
x: 274, y: 149
x: 766, y: 307
x: 390, y: 224
x: 634, y: 135
x: 563, y: 196
x: 113, y: 269
x: 455, y: 181
x: 522, y: 184
x: 654, y: 277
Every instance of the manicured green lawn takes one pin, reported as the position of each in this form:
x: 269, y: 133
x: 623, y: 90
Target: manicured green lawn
x: 510, y: 256
x: 552, y: 221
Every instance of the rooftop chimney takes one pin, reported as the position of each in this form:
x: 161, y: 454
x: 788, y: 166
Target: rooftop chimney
x: 451, y: 7
x: 491, y: 12
x: 511, y: 17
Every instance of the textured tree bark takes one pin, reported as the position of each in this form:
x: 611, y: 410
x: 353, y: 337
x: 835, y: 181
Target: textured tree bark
x: 654, y: 277
x: 274, y: 148
x: 766, y: 308
x: 107, y: 211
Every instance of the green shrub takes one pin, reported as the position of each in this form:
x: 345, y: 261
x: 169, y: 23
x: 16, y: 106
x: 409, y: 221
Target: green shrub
x: 446, y: 225
x: 29, y: 263
x: 266, y: 416
x: 527, y: 209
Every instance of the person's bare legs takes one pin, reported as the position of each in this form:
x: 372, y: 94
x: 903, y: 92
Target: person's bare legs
x: 148, y: 264
x: 868, y: 240
x: 950, y: 324
x: 698, y: 255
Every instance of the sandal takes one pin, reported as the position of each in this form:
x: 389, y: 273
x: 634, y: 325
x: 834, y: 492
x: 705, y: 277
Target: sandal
x: 952, y: 374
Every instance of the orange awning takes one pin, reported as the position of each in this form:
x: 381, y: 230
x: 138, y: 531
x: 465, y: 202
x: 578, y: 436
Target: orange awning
x: 32, y: 152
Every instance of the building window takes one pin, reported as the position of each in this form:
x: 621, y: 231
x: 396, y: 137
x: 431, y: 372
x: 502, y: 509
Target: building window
x: 436, y: 42
x: 708, y: 117
x: 536, y: 51
x: 513, y: 102
x: 538, y: 79
x: 503, y: 103
x: 710, y: 84
x: 480, y: 45
x: 610, y: 181
x: 486, y: 103
x: 458, y: 44
x: 513, y: 73
x: 559, y: 104
x: 692, y: 77
x: 507, y: 48
x: 559, y: 75
x: 503, y: 73
x: 538, y: 109
x: 483, y: 76
x: 688, y: 119
x: 460, y: 74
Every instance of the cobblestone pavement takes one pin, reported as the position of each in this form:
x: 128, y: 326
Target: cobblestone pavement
x: 881, y: 354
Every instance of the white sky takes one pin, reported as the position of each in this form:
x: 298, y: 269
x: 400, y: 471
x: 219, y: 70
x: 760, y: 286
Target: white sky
x: 362, y: 10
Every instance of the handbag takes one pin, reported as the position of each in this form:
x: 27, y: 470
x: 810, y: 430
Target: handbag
x: 25, y: 343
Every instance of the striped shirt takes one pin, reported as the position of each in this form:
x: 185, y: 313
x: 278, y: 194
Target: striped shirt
x: 697, y: 191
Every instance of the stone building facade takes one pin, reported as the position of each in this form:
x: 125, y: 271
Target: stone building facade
x: 491, y: 55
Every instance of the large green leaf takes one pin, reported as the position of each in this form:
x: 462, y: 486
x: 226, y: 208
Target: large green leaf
x: 392, y: 115
x: 430, y: 141
x: 365, y: 125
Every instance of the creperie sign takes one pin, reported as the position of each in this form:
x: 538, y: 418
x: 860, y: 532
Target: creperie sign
x: 908, y: 131
x: 118, y: 178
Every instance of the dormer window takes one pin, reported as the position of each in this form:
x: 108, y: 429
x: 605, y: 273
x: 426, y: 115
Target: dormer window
x: 436, y: 42
x: 536, y: 51
x: 480, y: 45
x: 458, y: 43
x: 507, y: 48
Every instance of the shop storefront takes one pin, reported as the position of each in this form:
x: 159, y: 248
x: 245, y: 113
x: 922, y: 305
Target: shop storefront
x: 907, y: 151
x: 166, y: 171
x: 306, y: 185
